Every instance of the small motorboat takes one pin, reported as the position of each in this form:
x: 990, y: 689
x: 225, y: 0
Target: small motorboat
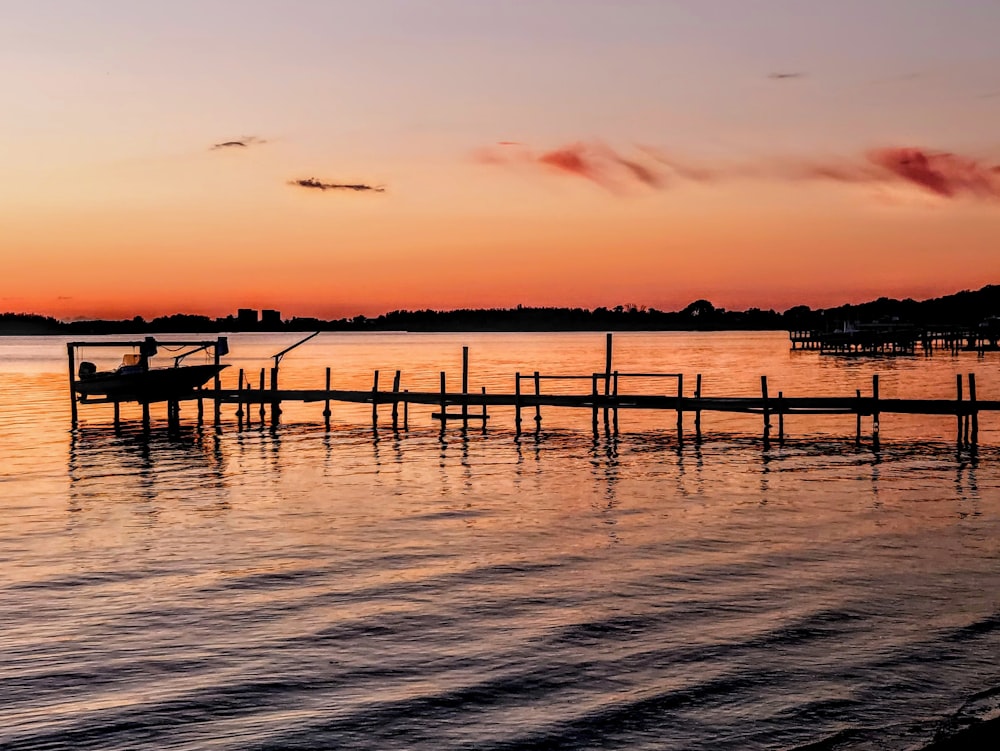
x: 134, y: 380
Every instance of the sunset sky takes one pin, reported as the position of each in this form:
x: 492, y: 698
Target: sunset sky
x: 338, y: 158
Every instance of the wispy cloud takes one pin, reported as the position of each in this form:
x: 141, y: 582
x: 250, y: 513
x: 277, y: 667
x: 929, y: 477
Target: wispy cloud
x: 314, y: 184
x: 778, y: 76
x: 942, y: 173
x: 593, y: 161
x: 240, y: 143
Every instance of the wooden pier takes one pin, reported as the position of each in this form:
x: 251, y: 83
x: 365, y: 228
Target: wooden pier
x: 874, y: 340
x: 601, y: 397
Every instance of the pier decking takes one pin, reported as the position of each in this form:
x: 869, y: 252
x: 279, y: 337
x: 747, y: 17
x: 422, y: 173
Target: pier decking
x: 602, y: 399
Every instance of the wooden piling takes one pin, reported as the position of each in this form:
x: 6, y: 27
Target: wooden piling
x: 765, y: 411
x: 444, y: 400
x: 145, y: 416
x: 607, y: 375
x: 326, y: 407
x: 71, y: 352
x: 680, y: 409
x: 263, y: 409
x: 395, y: 401
x: 239, y: 401
x: 781, y: 418
x: 201, y: 409
x: 406, y: 410
x: 465, y: 388
x: 275, y: 404
x: 875, y: 413
x: 538, y: 407
x: 614, y: 393
x: 857, y: 435
x: 485, y: 416
x: 697, y: 412
x: 594, y: 397
x: 375, y: 401
x: 959, y: 412
x: 517, y: 404
x: 217, y: 383
x: 118, y: 423
x: 974, y: 410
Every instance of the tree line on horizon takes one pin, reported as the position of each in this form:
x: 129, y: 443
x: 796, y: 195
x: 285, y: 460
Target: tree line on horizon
x: 966, y: 308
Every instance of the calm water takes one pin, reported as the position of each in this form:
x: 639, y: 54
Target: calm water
x: 303, y: 589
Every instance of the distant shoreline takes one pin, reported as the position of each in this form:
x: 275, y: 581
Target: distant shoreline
x: 966, y: 308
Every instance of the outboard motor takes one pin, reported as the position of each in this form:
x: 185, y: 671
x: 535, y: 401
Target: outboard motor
x: 87, y: 370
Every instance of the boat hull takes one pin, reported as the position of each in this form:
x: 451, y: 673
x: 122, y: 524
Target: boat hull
x: 155, y: 385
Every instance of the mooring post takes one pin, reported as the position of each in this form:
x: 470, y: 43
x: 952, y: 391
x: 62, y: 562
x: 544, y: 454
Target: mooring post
x: 697, y: 411
x: 517, y: 404
x: 875, y: 413
x: 145, y: 416
x: 958, y: 408
x: 71, y: 352
x: 326, y: 408
x: 857, y: 434
x: 538, y: 406
x: 680, y: 409
x: 239, y: 402
x: 781, y: 418
x: 484, y: 409
x: 201, y: 408
x: 375, y: 401
x: 614, y: 393
x: 765, y: 411
x: 118, y: 424
x: 465, y: 388
x: 263, y: 410
x: 275, y: 406
x: 395, y: 401
x: 406, y: 410
x: 444, y: 400
x: 217, y: 385
x: 594, y: 398
x: 607, y: 376
x: 974, y: 410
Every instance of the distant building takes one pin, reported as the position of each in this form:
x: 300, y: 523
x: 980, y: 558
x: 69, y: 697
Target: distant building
x: 270, y: 317
x: 246, y: 318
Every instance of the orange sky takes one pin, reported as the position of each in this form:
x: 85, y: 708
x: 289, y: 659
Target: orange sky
x: 658, y: 156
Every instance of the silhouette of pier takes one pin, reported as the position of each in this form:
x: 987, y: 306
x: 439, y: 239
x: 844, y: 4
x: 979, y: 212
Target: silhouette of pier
x: 260, y: 400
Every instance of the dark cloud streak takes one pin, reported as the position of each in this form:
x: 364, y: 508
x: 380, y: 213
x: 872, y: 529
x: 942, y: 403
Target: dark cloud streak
x: 314, y: 184
x: 241, y: 143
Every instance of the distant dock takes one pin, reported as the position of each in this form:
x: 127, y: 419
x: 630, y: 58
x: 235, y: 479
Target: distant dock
x: 876, y: 340
x: 258, y: 399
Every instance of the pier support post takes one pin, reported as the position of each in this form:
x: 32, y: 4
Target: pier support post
x: 217, y: 385
x: 201, y: 409
x: 765, y: 411
x: 326, y: 407
x: 239, y: 402
x: 607, y: 375
x: 465, y: 388
x: 71, y: 353
x: 857, y: 433
x: 275, y: 405
x: 875, y: 413
x: 118, y: 417
x: 959, y: 412
x: 697, y: 412
x: 517, y: 404
x: 680, y: 409
x: 395, y: 401
x: 263, y: 410
x: 406, y: 410
x: 484, y: 409
x: 538, y: 407
x: 781, y: 418
x: 974, y: 438
x: 375, y: 402
x: 614, y: 393
x: 594, y: 401
x: 145, y: 416
x: 444, y: 401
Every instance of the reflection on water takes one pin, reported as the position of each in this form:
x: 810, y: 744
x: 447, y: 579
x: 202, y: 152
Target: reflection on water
x: 304, y: 588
